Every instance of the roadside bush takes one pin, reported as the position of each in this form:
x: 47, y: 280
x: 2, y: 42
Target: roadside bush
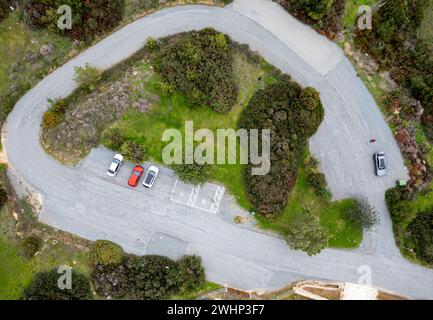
x: 305, y: 233
x: 362, y: 215
x: 133, y: 151
x: 89, y: 18
x: 420, y: 233
x: 44, y: 286
x: 113, y: 139
x: 195, y: 174
x: 316, y: 9
x: 105, y: 252
x: 147, y: 277
x: 199, y: 64
x: 54, y: 116
x: 292, y: 115
x: 30, y: 246
x: 87, y: 77
x: 317, y: 181
x: 192, y: 273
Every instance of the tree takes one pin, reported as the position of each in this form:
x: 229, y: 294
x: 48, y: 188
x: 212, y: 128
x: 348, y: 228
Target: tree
x: 113, y: 139
x: 421, y: 235
x: 316, y: 9
x: 305, y: 233
x: 44, y: 286
x: 362, y: 215
x: 191, y: 272
x: 31, y: 245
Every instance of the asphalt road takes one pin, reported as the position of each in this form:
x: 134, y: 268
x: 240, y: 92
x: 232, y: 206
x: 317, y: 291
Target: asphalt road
x: 84, y: 201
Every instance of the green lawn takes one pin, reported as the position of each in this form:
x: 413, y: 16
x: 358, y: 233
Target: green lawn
x: 16, y: 272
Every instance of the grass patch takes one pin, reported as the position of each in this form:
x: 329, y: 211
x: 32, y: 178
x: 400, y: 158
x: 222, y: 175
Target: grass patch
x: 192, y: 295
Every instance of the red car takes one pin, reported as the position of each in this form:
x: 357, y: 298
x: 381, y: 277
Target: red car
x: 137, y: 172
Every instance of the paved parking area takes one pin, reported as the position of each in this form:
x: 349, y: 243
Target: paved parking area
x: 206, y: 198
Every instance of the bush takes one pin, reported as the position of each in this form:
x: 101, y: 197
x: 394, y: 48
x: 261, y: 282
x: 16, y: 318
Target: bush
x: 192, y: 273
x: 147, y: 277
x: 113, y: 139
x: 195, y: 174
x: 292, y: 115
x: 105, y: 253
x: 3, y: 197
x: 316, y: 9
x: 133, y: 151
x: 317, y: 181
x: 199, y: 64
x: 362, y: 215
x: 4, y: 8
x: 420, y: 233
x: 89, y: 18
x: 31, y: 245
x: 54, y: 116
x: 87, y: 77
x: 305, y: 233
x: 44, y: 286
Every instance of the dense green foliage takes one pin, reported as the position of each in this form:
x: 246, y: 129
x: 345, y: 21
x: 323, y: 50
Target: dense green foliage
x: 304, y: 232
x: 198, y: 64
x: 87, y: 77
x: 394, y: 43
x: 31, y: 245
x: 4, y: 8
x: 195, y: 174
x: 316, y: 9
x: 292, y: 115
x: 89, y: 18
x: 105, y: 252
x: 44, y: 286
x: 420, y: 232
x: 148, y: 277
x: 133, y: 151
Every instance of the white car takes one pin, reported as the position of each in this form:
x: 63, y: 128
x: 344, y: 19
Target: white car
x: 115, y: 165
x: 380, y: 164
x: 150, y: 178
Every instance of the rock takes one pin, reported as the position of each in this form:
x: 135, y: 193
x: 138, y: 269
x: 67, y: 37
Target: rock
x: 47, y: 49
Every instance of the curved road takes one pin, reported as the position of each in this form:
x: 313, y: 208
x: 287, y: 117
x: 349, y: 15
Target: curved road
x: 83, y: 201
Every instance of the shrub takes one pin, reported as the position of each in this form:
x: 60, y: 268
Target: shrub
x: 44, y: 286
x: 362, y: 215
x: 147, y: 277
x: 195, y: 174
x: 316, y: 9
x: 133, y: 151
x: 113, y: 139
x: 87, y: 77
x: 54, y: 116
x: 420, y: 233
x: 31, y: 245
x: 3, y: 197
x: 105, y: 252
x: 317, y: 181
x: 199, y: 64
x: 89, y: 18
x: 4, y: 8
x: 280, y: 108
x: 305, y: 233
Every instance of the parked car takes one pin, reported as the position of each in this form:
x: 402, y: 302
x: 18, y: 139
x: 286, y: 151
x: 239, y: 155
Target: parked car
x: 136, y: 174
x: 115, y: 165
x: 380, y: 164
x: 151, y: 175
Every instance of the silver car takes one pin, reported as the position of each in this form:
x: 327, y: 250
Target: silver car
x: 380, y: 164
x: 115, y: 165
